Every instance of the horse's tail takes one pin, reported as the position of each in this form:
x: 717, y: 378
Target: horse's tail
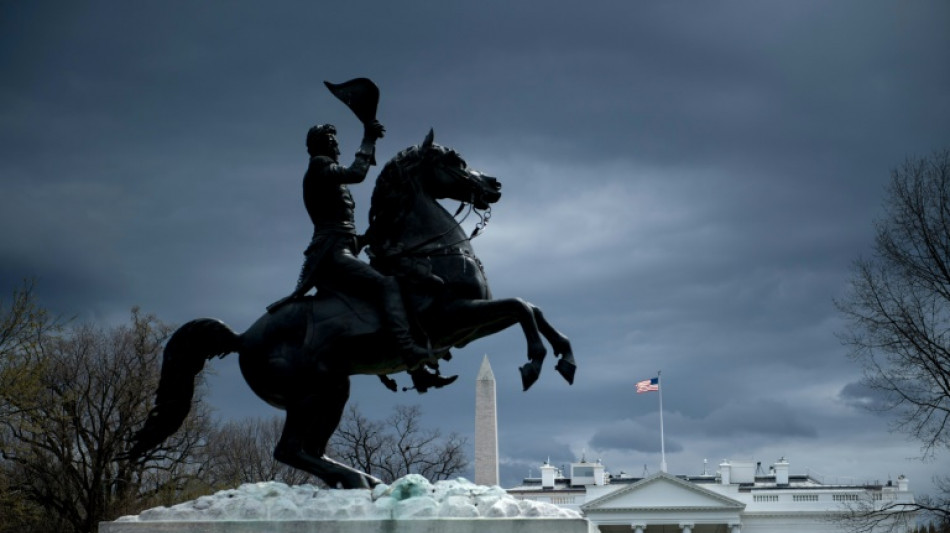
x: 185, y: 355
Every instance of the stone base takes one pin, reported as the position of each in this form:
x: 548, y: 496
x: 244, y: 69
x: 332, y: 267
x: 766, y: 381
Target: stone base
x: 437, y: 525
x: 410, y: 505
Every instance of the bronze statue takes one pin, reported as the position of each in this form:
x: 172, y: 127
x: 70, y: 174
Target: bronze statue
x: 299, y: 355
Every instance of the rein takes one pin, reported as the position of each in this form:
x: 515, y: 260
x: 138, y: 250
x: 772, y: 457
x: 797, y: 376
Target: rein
x: 414, y: 249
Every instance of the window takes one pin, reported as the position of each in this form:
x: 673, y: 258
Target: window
x: 844, y: 497
x: 804, y: 497
x: 765, y: 497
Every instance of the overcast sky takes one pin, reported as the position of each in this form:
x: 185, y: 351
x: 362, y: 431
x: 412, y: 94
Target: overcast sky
x: 685, y: 187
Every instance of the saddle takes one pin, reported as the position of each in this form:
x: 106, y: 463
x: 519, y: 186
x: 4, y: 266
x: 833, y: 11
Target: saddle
x: 333, y: 314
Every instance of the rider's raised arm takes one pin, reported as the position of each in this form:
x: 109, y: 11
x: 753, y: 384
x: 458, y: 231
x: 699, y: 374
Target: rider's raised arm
x: 365, y: 157
x: 355, y: 173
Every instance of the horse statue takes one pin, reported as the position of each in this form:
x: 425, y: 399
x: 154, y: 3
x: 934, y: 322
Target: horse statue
x: 300, y: 357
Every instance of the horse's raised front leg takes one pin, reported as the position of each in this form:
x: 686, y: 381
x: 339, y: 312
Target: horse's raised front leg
x: 311, y: 420
x: 485, y: 317
x: 560, y: 343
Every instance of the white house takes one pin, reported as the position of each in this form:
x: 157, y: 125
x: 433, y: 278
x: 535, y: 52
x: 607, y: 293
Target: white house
x: 739, y: 498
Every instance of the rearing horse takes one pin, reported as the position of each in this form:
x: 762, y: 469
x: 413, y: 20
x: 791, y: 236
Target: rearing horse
x: 300, y: 357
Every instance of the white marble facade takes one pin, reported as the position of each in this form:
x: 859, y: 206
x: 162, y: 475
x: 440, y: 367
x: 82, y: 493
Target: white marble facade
x: 733, y: 500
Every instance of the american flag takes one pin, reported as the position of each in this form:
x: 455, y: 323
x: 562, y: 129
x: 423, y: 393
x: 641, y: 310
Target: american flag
x: 648, y: 385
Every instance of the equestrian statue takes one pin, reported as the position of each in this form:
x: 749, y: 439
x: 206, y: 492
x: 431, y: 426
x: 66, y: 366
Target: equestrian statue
x: 423, y: 293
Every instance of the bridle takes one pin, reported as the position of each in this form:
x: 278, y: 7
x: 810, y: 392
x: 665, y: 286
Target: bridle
x: 484, y: 215
x: 453, y: 248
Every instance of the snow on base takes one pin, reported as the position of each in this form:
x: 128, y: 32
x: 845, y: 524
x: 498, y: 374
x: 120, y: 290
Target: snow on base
x: 410, y: 497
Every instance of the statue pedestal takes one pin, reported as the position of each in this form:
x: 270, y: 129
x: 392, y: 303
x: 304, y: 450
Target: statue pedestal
x: 410, y: 505
x: 435, y: 525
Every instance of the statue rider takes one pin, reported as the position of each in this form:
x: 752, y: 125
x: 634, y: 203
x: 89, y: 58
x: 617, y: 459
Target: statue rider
x: 330, y: 259
x: 331, y: 256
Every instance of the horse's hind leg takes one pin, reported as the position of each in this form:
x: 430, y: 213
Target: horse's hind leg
x: 311, y: 420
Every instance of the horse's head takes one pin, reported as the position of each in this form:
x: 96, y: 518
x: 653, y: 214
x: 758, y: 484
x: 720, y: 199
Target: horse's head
x: 427, y: 171
x: 442, y: 173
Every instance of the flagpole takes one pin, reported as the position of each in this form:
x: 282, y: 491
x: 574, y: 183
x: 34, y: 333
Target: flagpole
x: 662, y: 442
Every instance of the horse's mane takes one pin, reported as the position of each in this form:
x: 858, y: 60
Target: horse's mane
x: 393, y: 194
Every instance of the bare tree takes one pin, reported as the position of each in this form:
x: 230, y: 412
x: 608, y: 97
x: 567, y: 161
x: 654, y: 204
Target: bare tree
x: 242, y: 451
x: 398, y: 446
x: 69, y: 402
x: 22, y: 324
x: 875, y: 515
x: 869, y: 515
x: 898, y: 308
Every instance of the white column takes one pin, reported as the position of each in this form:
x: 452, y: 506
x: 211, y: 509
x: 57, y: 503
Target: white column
x: 638, y: 528
x: 686, y: 527
x: 735, y: 527
x: 486, y: 427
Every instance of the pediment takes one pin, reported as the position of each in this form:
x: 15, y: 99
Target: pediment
x: 663, y: 491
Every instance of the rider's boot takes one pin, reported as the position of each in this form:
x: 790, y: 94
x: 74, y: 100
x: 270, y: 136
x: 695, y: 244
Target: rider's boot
x: 396, y: 321
x: 423, y: 380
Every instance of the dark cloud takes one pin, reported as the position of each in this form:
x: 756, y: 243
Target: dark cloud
x: 860, y: 395
x: 764, y: 417
x: 522, y: 457
x: 629, y: 435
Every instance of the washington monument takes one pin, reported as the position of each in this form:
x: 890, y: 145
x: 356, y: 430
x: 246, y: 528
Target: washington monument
x: 486, y: 427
